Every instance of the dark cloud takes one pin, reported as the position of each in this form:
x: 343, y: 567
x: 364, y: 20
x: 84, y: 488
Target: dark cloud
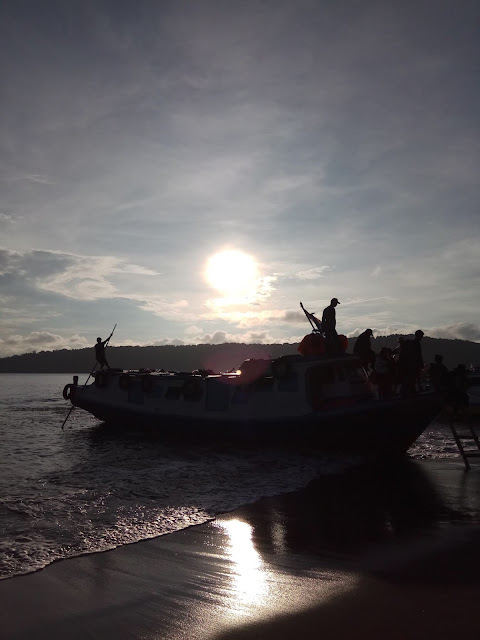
x: 294, y: 317
x: 12, y: 344
x: 457, y: 331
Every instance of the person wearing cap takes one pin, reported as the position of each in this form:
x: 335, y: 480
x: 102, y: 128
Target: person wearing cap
x: 363, y: 349
x: 329, y: 324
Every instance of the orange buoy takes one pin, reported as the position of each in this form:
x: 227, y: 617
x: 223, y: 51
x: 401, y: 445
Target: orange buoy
x: 312, y: 344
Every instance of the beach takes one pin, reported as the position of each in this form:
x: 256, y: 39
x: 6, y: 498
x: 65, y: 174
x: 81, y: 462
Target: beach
x: 388, y: 551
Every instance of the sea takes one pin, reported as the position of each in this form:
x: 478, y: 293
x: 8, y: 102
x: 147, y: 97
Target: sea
x: 86, y: 488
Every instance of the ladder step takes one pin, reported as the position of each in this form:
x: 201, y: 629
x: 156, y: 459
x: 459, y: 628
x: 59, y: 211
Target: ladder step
x: 466, y: 436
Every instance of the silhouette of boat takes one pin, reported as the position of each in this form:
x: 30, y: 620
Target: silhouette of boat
x: 321, y: 401
x: 473, y: 391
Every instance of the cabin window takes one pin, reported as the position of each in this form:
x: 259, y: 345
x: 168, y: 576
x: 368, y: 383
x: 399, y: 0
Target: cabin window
x: 289, y: 382
x: 135, y: 392
x: 317, y: 378
x: 262, y: 384
x: 322, y: 375
x: 218, y: 394
x: 240, y: 394
x: 173, y: 393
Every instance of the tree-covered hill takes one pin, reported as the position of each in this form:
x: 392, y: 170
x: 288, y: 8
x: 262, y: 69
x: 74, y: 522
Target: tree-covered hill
x: 222, y: 357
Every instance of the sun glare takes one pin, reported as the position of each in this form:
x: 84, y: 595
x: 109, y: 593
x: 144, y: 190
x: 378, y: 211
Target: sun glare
x: 233, y: 273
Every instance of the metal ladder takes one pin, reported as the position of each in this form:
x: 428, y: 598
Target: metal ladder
x: 469, y: 435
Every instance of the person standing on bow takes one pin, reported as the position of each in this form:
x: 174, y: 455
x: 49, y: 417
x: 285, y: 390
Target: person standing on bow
x: 100, y: 352
x: 329, y: 324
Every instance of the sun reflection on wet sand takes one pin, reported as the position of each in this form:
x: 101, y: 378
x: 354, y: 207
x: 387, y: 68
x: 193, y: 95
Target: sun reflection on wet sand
x: 258, y: 588
x: 250, y: 577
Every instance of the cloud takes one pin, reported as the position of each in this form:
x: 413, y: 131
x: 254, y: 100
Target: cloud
x: 73, y: 276
x: 11, y: 344
x: 221, y: 337
x: 159, y: 306
x: 293, y: 317
x: 313, y: 273
x: 35, y: 178
x: 165, y: 341
x: 457, y: 331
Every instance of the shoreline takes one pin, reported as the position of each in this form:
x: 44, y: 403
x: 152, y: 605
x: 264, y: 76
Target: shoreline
x: 374, y: 552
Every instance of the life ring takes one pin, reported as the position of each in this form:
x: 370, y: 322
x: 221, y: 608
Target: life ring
x: 101, y: 379
x: 147, y: 383
x: 280, y: 368
x: 124, y: 381
x: 192, y: 389
x: 68, y: 391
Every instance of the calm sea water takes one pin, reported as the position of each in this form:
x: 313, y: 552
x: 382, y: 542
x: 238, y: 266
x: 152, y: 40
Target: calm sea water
x: 88, y: 488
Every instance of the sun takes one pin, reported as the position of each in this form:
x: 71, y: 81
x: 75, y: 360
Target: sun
x: 233, y: 273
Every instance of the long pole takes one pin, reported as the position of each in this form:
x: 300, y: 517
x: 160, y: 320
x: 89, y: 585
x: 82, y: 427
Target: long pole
x: 90, y: 375
x: 308, y: 316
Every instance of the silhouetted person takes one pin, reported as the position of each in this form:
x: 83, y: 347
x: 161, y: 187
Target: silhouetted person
x: 363, y: 349
x: 438, y: 374
x: 417, y: 351
x: 461, y: 376
x: 398, y: 348
x: 100, y: 352
x: 329, y: 324
x: 456, y: 395
x: 410, y: 363
x: 385, y: 372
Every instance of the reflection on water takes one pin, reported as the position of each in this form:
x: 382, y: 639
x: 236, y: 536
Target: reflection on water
x: 250, y: 575
x: 277, y: 531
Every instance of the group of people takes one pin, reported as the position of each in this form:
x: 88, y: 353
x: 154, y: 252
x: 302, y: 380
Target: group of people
x: 452, y: 385
x: 391, y: 368
x: 403, y: 367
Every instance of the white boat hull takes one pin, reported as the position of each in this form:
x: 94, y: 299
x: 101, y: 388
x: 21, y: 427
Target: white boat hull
x: 325, y: 403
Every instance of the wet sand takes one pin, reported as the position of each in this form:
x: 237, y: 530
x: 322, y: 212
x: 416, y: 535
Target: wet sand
x: 391, y: 552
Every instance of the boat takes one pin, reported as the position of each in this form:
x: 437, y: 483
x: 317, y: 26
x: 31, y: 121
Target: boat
x: 473, y: 391
x: 319, y: 400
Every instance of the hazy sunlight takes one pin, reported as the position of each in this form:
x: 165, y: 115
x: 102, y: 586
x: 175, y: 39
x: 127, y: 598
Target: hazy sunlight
x: 233, y: 273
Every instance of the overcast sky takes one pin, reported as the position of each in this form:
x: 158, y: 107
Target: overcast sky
x: 332, y: 147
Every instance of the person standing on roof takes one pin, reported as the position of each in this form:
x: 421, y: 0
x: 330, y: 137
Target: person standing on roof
x: 100, y: 352
x: 329, y: 324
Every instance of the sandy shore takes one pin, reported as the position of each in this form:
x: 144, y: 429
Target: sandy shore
x: 383, y: 552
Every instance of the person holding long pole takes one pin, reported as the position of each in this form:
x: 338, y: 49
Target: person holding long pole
x: 100, y: 351
x: 101, y: 360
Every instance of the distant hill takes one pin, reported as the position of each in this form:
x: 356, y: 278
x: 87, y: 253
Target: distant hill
x: 221, y: 357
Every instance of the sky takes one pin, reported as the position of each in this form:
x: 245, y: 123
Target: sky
x: 192, y: 171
